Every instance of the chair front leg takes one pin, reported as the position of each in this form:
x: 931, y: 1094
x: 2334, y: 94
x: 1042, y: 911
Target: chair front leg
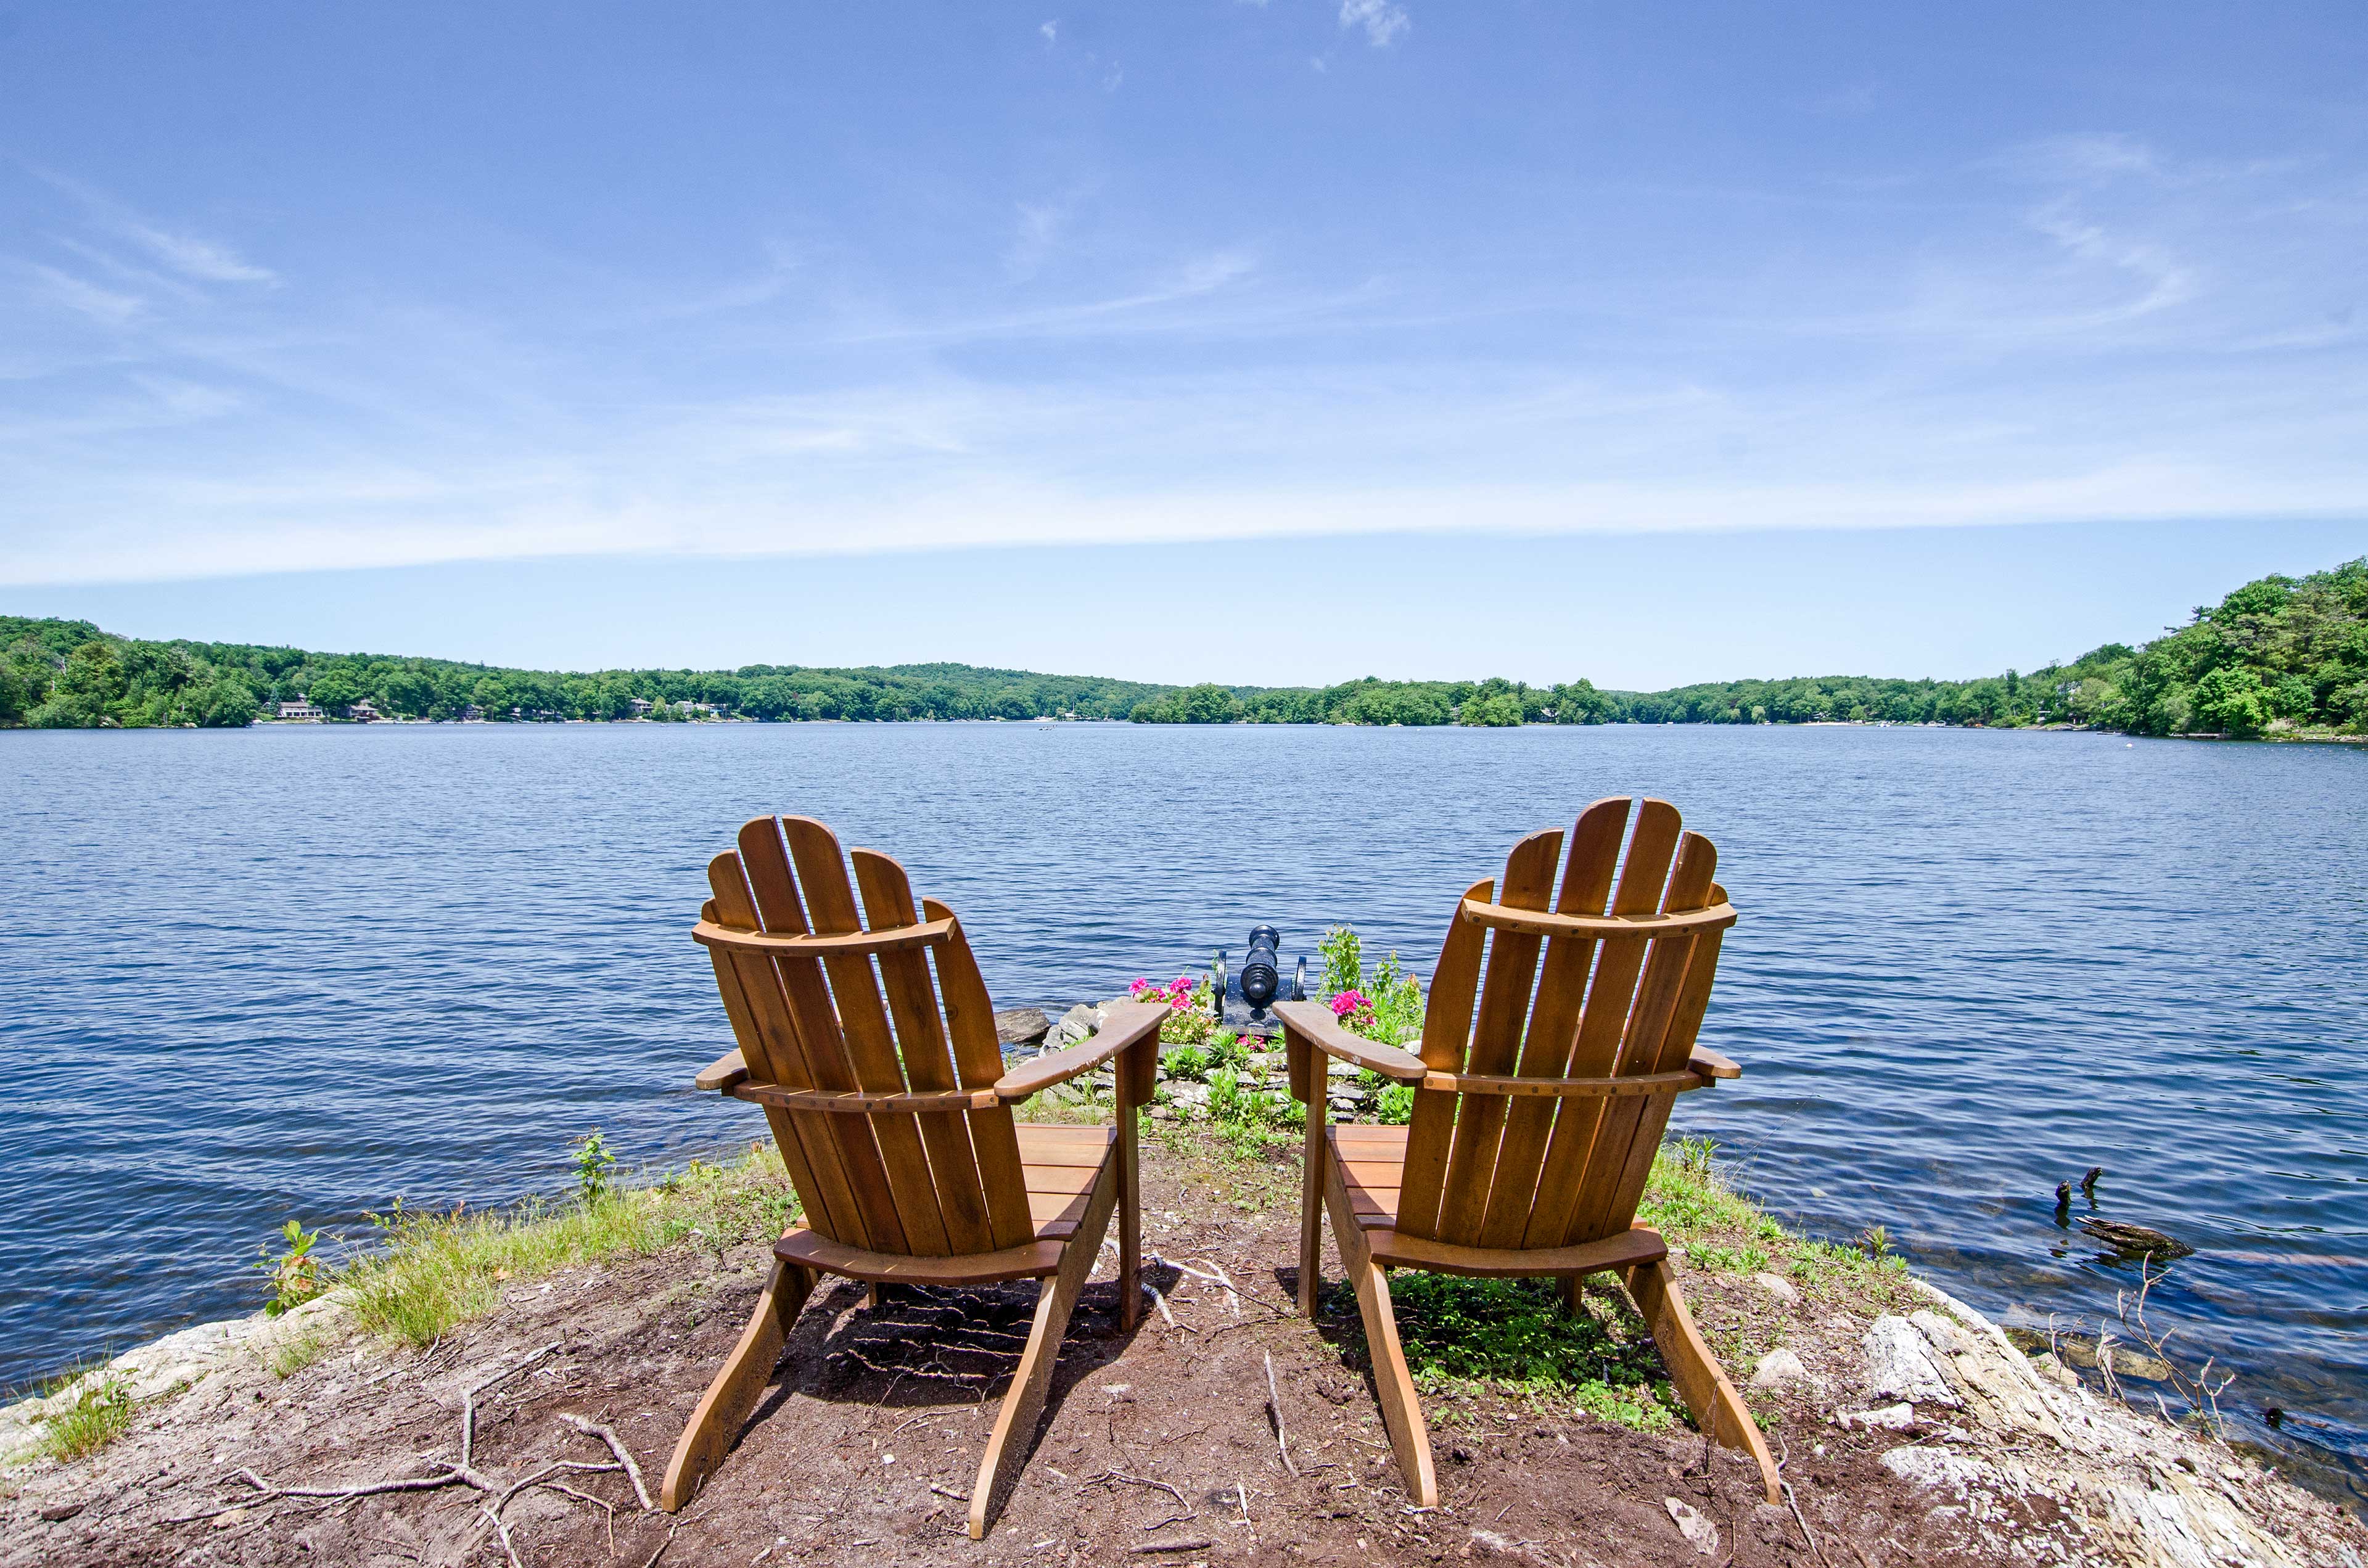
x: 725, y: 1407
x: 1718, y: 1410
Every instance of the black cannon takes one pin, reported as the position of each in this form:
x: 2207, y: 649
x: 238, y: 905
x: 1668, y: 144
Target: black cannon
x: 1240, y: 1003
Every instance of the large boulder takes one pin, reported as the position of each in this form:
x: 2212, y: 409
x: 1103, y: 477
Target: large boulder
x: 1900, y: 1364
x: 1021, y: 1026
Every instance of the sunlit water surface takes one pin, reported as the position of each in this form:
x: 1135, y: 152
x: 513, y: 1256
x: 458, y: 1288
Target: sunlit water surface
x: 295, y: 971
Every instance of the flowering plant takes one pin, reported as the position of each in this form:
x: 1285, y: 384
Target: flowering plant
x: 1353, y: 1008
x: 1188, y: 1021
x: 1176, y: 993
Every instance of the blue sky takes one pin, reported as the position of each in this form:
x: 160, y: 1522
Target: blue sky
x: 1291, y: 341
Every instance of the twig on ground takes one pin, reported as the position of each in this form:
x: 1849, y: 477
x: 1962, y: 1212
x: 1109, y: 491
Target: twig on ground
x: 469, y: 1398
x: 452, y: 1472
x: 651, y: 1561
x: 1133, y: 1480
x: 616, y: 1446
x: 945, y: 1490
x: 1170, y: 1520
x: 1161, y: 1302
x: 502, y: 1530
x: 1805, y: 1533
x: 1156, y: 1548
x: 1274, y: 1406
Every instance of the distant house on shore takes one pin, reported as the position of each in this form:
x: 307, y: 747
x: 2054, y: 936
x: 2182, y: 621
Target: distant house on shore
x: 301, y: 710
x: 641, y: 706
x: 471, y: 714
x: 364, y: 713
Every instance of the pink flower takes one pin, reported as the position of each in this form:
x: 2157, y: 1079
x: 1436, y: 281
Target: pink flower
x: 1346, y: 1002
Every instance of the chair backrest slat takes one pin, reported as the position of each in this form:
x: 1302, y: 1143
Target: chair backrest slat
x: 1593, y: 860
x: 926, y: 1183
x: 863, y: 1025
x: 1446, y: 1027
x: 765, y: 857
x: 1534, y: 1171
x: 1512, y: 972
x: 921, y: 1043
x: 1607, y: 1166
x: 770, y: 1046
x: 978, y: 1058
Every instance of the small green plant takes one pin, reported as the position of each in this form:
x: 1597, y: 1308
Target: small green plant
x: 1344, y: 964
x: 1876, y: 1241
x: 295, y: 1273
x: 1227, y: 1049
x: 1224, y: 1096
x: 594, y: 1165
x: 1744, y: 1259
x: 1394, y: 1104
x: 294, y: 1353
x: 1186, y: 1062
x: 96, y: 1418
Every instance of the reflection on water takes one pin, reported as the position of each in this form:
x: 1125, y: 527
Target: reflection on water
x: 295, y: 971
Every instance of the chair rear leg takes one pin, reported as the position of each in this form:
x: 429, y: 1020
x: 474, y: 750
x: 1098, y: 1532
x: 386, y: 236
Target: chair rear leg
x: 1015, y: 1423
x: 1701, y: 1381
x: 728, y: 1401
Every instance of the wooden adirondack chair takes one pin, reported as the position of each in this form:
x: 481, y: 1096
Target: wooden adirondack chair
x: 1535, y: 1122
x: 900, y: 1140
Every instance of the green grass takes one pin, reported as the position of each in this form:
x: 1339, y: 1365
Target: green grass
x: 98, y: 1415
x: 1514, y: 1338
x: 292, y: 1355
x: 439, y: 1270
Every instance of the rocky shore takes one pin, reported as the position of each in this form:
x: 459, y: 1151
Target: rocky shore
x: 1913, y: 1429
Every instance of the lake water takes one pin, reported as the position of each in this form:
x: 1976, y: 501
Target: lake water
x: 295, y: 971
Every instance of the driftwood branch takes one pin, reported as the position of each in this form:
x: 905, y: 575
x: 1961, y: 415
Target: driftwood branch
x: 617, y: 1447
x: 1274, y: 1407
x: 469, y: 1397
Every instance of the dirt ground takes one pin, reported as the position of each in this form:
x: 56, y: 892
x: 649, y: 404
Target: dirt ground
x: 1157, y: 1446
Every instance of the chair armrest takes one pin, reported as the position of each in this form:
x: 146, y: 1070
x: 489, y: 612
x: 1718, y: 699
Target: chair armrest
x: 1130, y: 1023
x: 1709, y: 1064
x: 1313, y: 1022
x: 722, y: 1073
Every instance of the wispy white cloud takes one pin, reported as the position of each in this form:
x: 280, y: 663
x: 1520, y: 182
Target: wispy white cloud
x: 1051, y: 31
x: 2166, y: 280
x: 1039, y: 227
x: 84, y: 297
x: 205, y: 260
x: 1384, y: 22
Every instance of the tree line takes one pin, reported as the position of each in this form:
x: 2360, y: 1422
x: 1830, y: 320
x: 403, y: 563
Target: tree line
x: 2281, y: 653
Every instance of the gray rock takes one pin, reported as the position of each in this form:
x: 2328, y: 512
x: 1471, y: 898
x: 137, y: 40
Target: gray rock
x: 1900, y: 1364
x: 1890, y: 1418
x: 1778, y: 1286
x: 1021, y: 1026
x: 1694, y: 1525
x: 1778, y: 1368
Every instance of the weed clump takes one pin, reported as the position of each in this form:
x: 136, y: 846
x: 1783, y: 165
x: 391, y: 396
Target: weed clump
x: 98, y: 1415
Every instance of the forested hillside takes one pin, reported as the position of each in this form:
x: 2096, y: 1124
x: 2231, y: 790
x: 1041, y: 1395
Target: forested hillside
x: 69, y: 673
x: 2278, y: 655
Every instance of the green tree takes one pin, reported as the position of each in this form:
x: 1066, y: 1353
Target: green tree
x: 2232, y: 700
x: 333, y: 691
